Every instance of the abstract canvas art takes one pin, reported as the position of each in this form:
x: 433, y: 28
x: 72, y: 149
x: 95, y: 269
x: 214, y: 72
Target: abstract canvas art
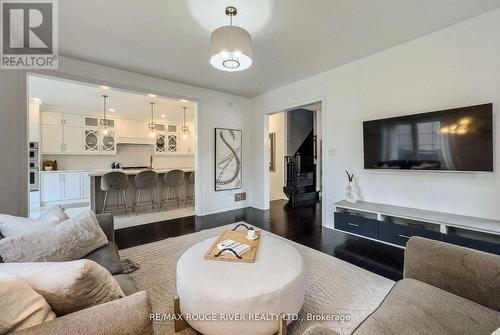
x: 228, y: 163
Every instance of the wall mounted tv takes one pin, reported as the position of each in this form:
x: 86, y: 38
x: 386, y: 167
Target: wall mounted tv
x: 459, y: 139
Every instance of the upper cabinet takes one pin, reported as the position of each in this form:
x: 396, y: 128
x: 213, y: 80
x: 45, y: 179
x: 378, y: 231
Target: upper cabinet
x: 63, y: 133
x: 97, y: 140
x: 170, y: 140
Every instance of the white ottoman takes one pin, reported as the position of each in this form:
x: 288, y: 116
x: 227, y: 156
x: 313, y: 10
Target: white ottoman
x: 274, y: 284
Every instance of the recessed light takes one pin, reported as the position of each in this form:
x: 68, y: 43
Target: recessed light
x: 111, y: 110
x: 103, y: 87
x: 184, y: 100
x: 36, y: 99
x: 163, y: 115
x: 152, y: 95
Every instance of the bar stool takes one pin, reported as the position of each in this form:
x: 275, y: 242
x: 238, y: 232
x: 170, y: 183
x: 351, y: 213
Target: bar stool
x: 172, y: 180
x: 145, y: 180
x: 190, y: 186
x: 114, y: 182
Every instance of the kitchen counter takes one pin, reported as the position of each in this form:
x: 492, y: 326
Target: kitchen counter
x: 132, y: 172
x: 62, y: 171
x: 97, y: 195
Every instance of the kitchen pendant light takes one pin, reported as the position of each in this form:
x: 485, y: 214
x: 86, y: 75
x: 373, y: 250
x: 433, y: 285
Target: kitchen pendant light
x: 185, y: 129
x: 231, y: 46
x: 152, y: 125
x: 105, y: 122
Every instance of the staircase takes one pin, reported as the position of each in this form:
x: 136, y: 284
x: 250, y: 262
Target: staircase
x: 300, y: 173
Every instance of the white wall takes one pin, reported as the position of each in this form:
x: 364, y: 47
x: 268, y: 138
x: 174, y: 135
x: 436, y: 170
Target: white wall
x: 213, y: 108
x: 277, y: 126
x: 457, y: 66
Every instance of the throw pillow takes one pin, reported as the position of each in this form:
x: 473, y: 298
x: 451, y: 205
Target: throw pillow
x: 15, y: 225
x: 67, y: 241
x: 67, y: 286
x: 53, y: 216
x: 21, y: 306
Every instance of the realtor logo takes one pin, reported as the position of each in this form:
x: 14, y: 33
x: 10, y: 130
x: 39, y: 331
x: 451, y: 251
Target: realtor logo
x: 28, y: 34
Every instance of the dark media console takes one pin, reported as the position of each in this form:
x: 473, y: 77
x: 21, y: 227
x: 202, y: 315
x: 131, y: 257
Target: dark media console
x: 394, y: 225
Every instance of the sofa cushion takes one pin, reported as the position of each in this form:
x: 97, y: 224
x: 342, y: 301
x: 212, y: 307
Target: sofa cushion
x: 21, y: 306
x: 128, y: 316
x: 108, y: 257
x: 471, y: 274
x: 67, y: 286
x: 69, y: 240
x: 414, y: 307
x: 16, y: 225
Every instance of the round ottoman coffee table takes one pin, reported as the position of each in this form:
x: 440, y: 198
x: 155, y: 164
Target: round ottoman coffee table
x: 228, y: 298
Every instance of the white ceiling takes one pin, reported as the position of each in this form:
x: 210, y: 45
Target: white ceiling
x: 76, y: 97
x: 292, y: 39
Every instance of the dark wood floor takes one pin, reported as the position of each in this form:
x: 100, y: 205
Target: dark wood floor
x: 302, y: 225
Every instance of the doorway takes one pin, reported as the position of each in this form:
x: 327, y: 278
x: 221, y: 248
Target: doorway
x: 295, y: 160
x: 79, y: 131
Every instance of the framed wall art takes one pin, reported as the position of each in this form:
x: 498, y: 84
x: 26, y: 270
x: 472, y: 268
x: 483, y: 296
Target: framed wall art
x: 228, y: 159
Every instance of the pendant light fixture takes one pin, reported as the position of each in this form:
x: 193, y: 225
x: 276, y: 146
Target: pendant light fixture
x: 152, y: 125
x: 231, y: 46
x: 105, y: 122
x: 185, y: 129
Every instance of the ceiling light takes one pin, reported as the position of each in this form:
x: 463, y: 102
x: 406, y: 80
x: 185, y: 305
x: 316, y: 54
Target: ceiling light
x: 185, y: 129
x: 36, y: 99
x: 184, y: 100
x: 231, y: 46
x: 111, y: 110
x: 152, y: 125
x: 105, y: 122
x: 103, y: 87
x: 163, y: 115
x: 152, y: 95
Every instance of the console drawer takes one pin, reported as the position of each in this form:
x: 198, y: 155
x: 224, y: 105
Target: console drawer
x: 486, y: 246
x: 399, y: 234
x: 356, y: 225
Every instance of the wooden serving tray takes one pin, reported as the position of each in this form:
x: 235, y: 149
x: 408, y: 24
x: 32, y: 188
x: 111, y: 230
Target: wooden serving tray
x: 239, y: 236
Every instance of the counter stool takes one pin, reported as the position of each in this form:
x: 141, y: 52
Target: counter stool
x: 145, y: 180
x: 114, y: 182
x: 190, y: 186
x: 172, y: 180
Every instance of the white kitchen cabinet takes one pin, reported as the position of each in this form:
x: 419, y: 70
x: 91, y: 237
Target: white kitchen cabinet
x: 65, y: 134
x: 172, y: 141
x: 62, y: 186
x: 73, y: 120
x: 85, y: 182
x: 72, y: 188
x: 52, y: 118
x: 52, y: 138
x: 73, y: 140
x: 51, y: 187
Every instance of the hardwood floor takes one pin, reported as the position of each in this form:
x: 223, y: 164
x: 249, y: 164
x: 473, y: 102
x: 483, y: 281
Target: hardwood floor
x: 302, y: 225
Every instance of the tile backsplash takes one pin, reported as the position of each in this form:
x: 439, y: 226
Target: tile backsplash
x: 127, y: 155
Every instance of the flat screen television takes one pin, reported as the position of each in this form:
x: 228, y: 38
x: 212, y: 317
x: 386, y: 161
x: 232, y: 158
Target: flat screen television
x: 459, y: 139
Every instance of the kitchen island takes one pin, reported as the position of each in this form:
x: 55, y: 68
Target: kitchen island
x: 115, y: 199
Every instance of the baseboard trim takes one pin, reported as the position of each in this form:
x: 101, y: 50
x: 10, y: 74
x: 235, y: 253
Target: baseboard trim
x: 243, y: 204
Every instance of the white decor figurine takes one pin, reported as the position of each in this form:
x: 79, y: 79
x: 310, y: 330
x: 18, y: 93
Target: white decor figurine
x: 350, y: 193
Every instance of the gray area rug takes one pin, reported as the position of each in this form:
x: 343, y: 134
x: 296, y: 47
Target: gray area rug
x: 332, y: 285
